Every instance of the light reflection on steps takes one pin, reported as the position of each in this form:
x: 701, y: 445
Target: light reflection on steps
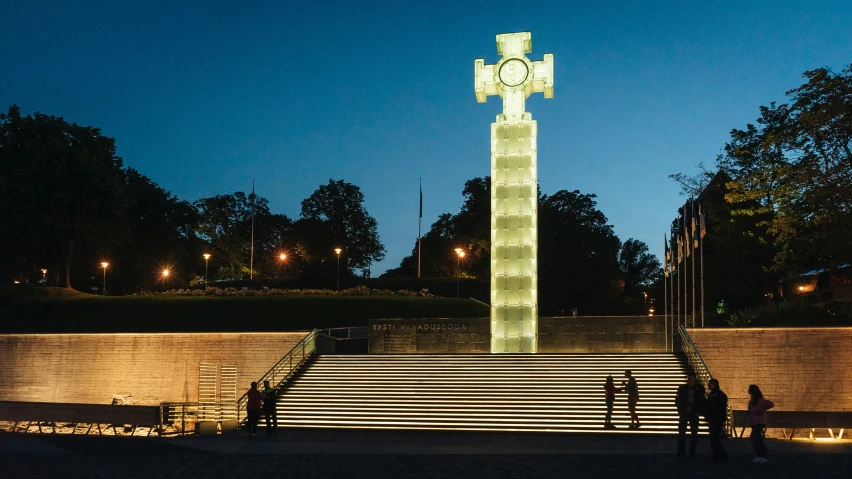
x: 548, y: 392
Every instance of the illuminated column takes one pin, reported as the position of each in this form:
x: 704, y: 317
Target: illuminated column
x: 514, y: 192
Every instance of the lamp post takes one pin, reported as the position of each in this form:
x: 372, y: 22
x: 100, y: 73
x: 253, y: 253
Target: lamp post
x: 338, y: 251
x: 165, y: 274
x: 283, y: 258
x: 206, y: 263
x: 43, y: 275
x: 104, y: 265
x: 459, y: 256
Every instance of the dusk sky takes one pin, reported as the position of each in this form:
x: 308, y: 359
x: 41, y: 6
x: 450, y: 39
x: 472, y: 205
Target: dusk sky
x: 204, y: 98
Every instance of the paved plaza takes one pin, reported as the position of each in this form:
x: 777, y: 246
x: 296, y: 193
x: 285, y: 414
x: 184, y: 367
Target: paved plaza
x: 365, y: 454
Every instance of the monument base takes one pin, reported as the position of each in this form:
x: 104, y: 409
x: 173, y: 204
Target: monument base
x: 571, y: 334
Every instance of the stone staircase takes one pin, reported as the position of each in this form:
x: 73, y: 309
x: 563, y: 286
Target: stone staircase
x: 541, y: 392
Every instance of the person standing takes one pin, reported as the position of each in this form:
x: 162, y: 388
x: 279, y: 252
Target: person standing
x: 269, y: 411
x: 252, y: 409
x: 632, y: 398
x: 690, y: 403
x: 609, y: 394
x: 757, y: 407
x: 717, y: 416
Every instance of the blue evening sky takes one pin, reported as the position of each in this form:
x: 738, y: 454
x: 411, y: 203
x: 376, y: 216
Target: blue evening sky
x: 204, y: 96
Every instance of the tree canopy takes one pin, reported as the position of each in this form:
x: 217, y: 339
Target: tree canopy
x: 578, y: 252
x: 340, y: 206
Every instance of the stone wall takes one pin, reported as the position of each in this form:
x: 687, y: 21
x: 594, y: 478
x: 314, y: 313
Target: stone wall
x: 799, y: 369
x: 153, y: 368
x: 602, y: 334
x: 571, y: 334
x: 429, y: 336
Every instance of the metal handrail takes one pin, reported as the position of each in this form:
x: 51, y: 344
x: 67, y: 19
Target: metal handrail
x: 693, y: 356
x: 700, y: 367
x: 286, y: 366
x: 179, y: 418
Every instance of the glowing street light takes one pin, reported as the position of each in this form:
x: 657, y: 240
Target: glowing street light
x: 166, y: 273
x: 459, y: 256
x: 104, y: 265
x: 206, y: 263
x: 282, y: 257
x: 43, y: 275
x: 338, y: 251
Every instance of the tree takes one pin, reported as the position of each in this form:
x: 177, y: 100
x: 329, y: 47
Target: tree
x: 161, y: 235
x: 60, y: 192
x: 638, y: 266
x: 340, y: 206
x: 226, y: 222
x: 577, y: 256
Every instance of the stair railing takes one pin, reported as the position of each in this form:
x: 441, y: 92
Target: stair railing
x: 696, y: 362
x: 286, y: 367
x: 693, y: 356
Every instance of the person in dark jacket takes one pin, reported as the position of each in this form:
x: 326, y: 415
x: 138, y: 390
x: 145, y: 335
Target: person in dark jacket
x: 252, y: 409
x: 609, y: 396
x: 632, y: 390
x: 269, y: 395
x: 717, y: 415
x: 690, y: 403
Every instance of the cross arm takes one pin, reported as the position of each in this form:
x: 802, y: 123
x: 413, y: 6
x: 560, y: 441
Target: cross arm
x: 484, y: 82
x: 543, y: 76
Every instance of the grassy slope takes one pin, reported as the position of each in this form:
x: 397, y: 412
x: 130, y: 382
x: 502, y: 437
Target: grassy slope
x: 56, y: 310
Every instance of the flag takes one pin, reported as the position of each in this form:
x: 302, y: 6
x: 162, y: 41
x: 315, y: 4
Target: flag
x: 421, y: 198
x: 694, y: 233
x: 702, y: 226
x: 686, y: 247
x: 679, y: 250
x: 667, y: 255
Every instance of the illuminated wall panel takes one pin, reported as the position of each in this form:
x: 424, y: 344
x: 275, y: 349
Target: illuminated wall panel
x: 514, y: 196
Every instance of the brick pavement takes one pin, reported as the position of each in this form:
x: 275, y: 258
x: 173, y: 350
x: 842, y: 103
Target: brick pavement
x: 220, y: 457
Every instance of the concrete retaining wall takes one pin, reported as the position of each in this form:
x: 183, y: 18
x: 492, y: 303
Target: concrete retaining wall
x: 569, y: 334
x: 153, y: 368
x: 601, y: 334
x: 800, y: 369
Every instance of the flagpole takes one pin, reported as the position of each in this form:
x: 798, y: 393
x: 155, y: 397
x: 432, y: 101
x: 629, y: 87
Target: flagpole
x: 701, y: 232
x: 665, y: 301
x: 419, y: 221
x: 666, y: 255
x: 685, y: 273
x: 251, y: 259
x: 692, y: 245
x: 671, y: 300
x: 679, y: 274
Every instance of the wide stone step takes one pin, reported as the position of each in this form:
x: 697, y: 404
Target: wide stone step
x: 556, y: 393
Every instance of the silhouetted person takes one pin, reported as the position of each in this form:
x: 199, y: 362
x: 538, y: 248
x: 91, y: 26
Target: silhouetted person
x: 757, y: 407
x: 252, y: 409
x: 717, y: 416
x: 269, y: 394
x: 609, y: 394
x: 632, y: 398
x: 690, y: 403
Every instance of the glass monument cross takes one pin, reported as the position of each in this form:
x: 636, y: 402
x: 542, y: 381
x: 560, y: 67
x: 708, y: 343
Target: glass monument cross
x: 514, y: 192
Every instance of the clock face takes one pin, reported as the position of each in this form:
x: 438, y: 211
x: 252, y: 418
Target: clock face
x: 513, y: 72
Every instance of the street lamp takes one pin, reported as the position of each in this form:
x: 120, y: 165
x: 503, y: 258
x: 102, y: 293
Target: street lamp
x: 459, y: 256
x: 283, y: 258
x: 338, y: 251
x: 43, y: 275
x: 206, y: 262
x: 104, y: 265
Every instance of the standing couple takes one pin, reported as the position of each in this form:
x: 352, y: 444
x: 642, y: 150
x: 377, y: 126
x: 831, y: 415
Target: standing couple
x: 628, y: 385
